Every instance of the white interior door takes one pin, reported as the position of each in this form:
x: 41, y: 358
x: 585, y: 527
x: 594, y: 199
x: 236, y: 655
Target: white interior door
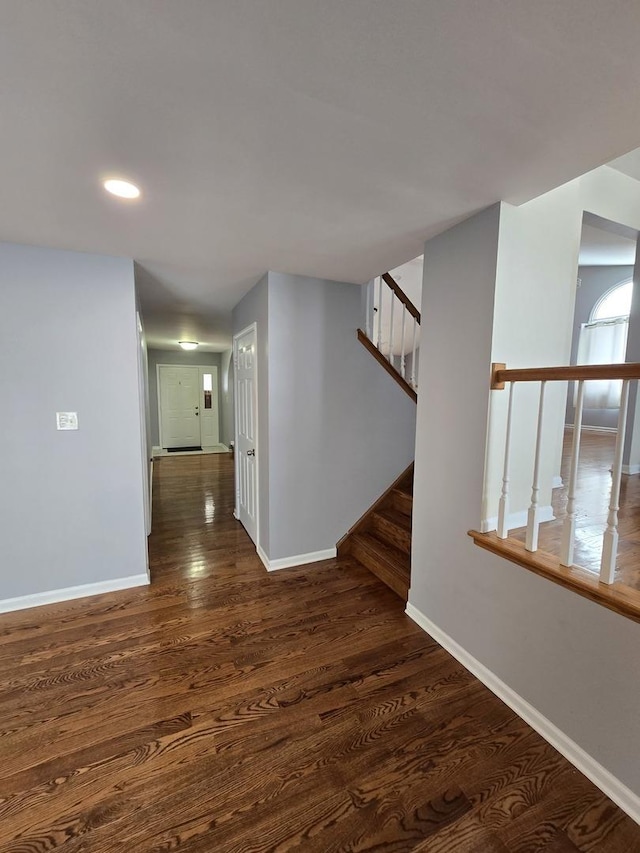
x: 246, y: 396
x: 209, y: 414
x: 179, y: 406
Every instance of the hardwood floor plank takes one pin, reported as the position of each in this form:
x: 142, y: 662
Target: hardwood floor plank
x: 227, y: 709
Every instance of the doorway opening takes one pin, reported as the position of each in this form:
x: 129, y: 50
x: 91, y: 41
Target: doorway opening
x: 601, y: 315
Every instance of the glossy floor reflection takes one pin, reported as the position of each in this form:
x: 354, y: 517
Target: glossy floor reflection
x: 194, y: 531
x: 593, y: 494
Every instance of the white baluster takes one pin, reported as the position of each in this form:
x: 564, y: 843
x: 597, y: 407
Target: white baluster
x: 533, y: 517
x: 368, y: 311
x: 413, y: 353
x: 416, y: 358
x: 380, y: 313
x: 402, y: 357
x: 610, y: 539
x: 569, y: 527
x: 393, y: 302
x: 503, y: 505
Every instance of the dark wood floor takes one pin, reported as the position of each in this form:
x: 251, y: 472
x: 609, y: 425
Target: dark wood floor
x: 227, y: 709
x: 593, y: 495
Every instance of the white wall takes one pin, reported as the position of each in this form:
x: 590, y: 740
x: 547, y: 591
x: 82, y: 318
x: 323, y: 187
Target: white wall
x: 574, y: 661
x: 537, y: 263
x: 537, y: 267
x: 71, y: 503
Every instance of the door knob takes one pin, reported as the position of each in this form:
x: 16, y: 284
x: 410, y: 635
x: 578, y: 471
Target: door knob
x: 251, y: 453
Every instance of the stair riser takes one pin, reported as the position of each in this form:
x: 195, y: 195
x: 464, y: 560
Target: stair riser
x: 391, y: 533
x: 381, y: 569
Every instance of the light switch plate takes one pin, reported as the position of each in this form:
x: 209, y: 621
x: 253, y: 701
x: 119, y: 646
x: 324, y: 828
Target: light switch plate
x: 67, y: 420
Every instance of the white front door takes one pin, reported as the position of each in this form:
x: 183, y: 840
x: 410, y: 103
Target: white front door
x: 246, y: 395
x: 179, y: 406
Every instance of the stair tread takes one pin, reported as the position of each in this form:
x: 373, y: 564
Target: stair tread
x: 395, y: 517
x: 401, y: 502
x: 397, y: 559
x: 405, y: 488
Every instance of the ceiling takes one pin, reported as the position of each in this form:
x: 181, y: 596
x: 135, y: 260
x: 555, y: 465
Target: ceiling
x: 322, y: 138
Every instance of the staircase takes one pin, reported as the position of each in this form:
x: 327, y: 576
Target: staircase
x: 381, y: 539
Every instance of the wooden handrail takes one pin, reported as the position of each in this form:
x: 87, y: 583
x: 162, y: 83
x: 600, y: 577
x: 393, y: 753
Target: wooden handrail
x: 402, y: 296
x: 575, y: 372
x: 375, y: 352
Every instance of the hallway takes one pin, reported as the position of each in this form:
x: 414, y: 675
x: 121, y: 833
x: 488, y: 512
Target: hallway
x: 226, y: 710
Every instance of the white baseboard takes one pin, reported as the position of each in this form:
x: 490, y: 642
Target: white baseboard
x: 631, y: 469
x: 296, y: 560
x: 156, y: 451
x: 624, y: 797
x: 557, y: 482
x: 262, y: 555
x: 207, y: 450
x: 54, y: 596
x: 516, y: 519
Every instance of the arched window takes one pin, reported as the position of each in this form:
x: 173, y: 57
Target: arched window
x: 603, y: 340
x: 614, y: 304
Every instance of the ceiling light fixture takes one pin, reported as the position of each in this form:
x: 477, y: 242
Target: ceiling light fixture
x: 123, y: 189
x: 188, y: 344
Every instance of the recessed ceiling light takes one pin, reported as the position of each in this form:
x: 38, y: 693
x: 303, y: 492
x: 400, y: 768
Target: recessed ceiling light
x: 123, y: 189
x: 188, y: 344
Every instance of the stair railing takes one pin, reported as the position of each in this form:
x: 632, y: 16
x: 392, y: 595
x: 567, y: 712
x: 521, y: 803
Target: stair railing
x: 626, y: 373
x: 392, y: 331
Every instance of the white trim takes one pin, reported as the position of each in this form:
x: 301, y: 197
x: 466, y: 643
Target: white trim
x: 143, y: 403
x: 631, y: 469
x: 592, y: 318
x: 624, y: 797
x: 252, y: 327
x: 557, y: 482
x: 206, y: 451
x: 296, y: 560
x: 260, y: 552
x: 68, y: 593
x: 156, y: 451
x: 587, y: 428
x: 150, y: 519
x: 208, y: 368
x: 516, y: 519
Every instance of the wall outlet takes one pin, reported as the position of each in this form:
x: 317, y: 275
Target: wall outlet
x: 67, y: 420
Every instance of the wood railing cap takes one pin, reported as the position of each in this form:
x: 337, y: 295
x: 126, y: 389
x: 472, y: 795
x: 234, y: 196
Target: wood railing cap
x: 571, y: 372
x: 402, y: 296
